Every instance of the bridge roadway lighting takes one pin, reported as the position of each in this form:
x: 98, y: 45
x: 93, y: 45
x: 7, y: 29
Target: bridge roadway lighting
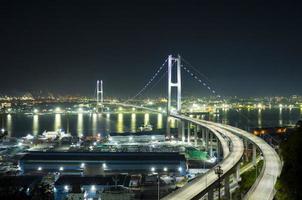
x: 219, y: 172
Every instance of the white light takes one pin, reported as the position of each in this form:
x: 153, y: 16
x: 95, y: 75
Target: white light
x: 20, y: 144
x: 165, y: 169
x: 80, y: 109
x: 58, y: 109
x: 110, y: 138
x: 36, y: 111
x: 94, y: 143
x: 66, y: 187
x: 104, y: 165
x: 93, y: 188
x: 152, y: 169
x: 82, y: 165
x: 130, y: 138
x: 153, y: 137
x: 2, y: 130
x: 179, y: 169
x: 39, y: 168
x: 61, y: 168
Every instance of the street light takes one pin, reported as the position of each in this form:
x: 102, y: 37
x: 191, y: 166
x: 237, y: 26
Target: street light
x: 219, y: 172
x: 158, y: 177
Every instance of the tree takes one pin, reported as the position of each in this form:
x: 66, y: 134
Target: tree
x: 289, y: 184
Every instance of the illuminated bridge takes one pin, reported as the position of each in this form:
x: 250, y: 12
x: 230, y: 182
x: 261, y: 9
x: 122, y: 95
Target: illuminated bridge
x: 232, y: 142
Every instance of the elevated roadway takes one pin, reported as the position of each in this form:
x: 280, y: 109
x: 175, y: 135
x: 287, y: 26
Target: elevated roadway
x: 263, y: 188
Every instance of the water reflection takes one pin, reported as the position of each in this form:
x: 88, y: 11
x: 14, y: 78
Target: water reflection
x: 259, y: 118
x: 120, y: 123
x: 35, y: 129
x: 224, y: 119
x: 172, y: 122
x: 57, y: 124
x: 280, y: 117
x: 133, y: 122
x: 80, y: 125
x: 159, y: 121
x: 146, y: 119
x: 94, y: 123
x: 107, y: 123
x: 9, y: 124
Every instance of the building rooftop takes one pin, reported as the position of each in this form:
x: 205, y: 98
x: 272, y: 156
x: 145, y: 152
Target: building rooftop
x: 103, y: 156
x: 93, y: 180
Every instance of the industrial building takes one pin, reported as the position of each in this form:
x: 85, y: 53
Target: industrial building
x: 101, y: 163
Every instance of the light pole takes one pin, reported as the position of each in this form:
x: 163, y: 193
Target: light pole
x: 219, y: 172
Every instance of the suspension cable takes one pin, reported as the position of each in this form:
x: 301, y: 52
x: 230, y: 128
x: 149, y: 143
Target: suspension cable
x: 149, y: 82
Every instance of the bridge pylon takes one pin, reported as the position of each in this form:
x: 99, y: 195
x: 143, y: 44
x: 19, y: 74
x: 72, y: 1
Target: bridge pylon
x: 99, y: 95
x: 174, y: 82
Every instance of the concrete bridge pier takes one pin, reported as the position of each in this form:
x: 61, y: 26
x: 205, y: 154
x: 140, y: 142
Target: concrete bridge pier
x: 168, y: 130
x: 227, y: 193
x: 183, y: 137
x: 237, y: 173
x: 195, y: 135
x: 207, y: 139
x: 246, y: 147
x: 211, y: 144
x: 180, y: 128
x: 189, y: 133
x: 203, y: 132
x: 218, y: 152
x: 254, y: 154
x: 211, y: 194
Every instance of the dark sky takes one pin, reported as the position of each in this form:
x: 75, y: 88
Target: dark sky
x: 245, y: 48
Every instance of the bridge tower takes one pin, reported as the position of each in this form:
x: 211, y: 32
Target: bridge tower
x: 174, y: 82
x: 99, y: 95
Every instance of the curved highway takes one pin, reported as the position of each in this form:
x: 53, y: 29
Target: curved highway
x: 263, y: 188
x: 231, y: 159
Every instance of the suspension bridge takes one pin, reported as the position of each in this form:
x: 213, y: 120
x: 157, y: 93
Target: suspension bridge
x: 232, y: 141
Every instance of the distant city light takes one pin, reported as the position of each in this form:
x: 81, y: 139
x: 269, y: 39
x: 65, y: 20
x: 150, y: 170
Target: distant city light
x: 2, y: 130
x: 39, y: 168
x: 36, y: 110
x: 82, y: 165
x: 58, y: 109
x: 104, y: 165
x: 179, y: 169
x: 165, y: 169
x: 152, y: 169
x: 61, y: 168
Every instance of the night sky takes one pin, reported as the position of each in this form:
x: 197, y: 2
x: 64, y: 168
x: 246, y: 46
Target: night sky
x: 245, y: 48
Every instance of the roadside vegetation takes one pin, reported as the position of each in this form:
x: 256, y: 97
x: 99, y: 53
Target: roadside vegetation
x: 289, y: 185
